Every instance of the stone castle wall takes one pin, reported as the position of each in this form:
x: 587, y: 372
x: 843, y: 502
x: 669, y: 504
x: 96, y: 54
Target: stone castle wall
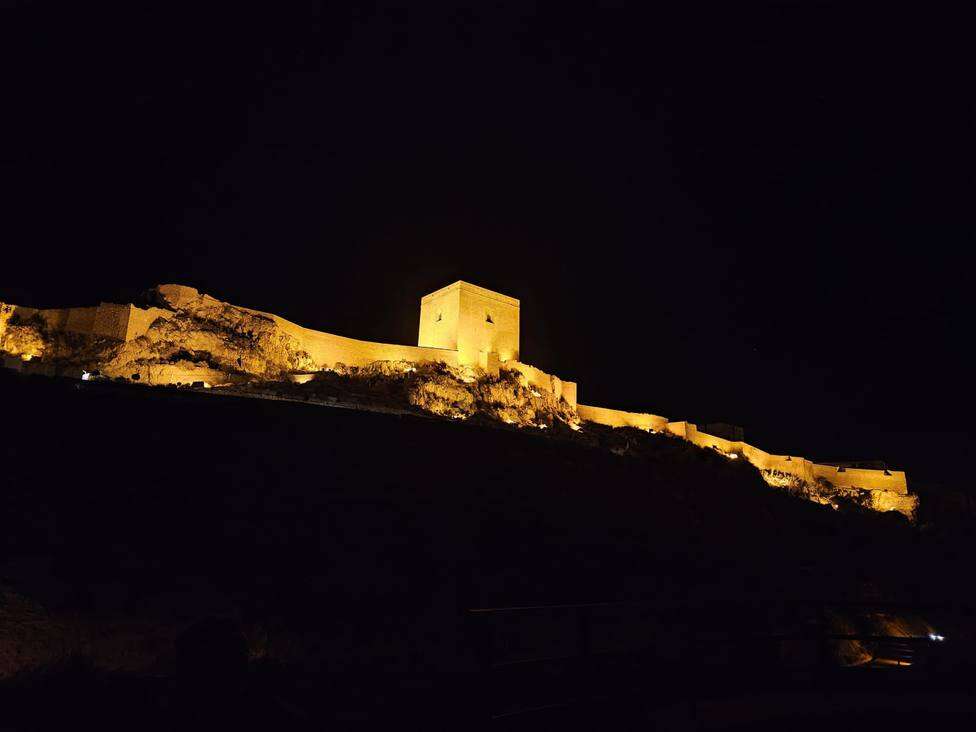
x: 140, y: 319
x: 889, y: 487
x: 461, y: 325
x: 547, y: 382
x: 107, y: 320
x: 327, y: 349
x: 619, y: 418
x: 111, y: 321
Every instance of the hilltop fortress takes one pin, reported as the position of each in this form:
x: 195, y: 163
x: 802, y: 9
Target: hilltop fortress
x: 188, y: 337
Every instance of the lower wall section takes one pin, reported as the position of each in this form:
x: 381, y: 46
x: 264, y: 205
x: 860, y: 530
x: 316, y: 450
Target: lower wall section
x: 569, y: 393
x: 111, y: 321
x: 80, y: 320
x: 107, y: 320
x: 888, y: 501
x: 141, y: 318
x: 547, y: 382
x: 889, y: 487
x: 619, y: 418
x: 327, y: 350
x: 883, y: 480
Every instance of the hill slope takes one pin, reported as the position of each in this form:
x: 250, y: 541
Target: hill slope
x: 337, y: 538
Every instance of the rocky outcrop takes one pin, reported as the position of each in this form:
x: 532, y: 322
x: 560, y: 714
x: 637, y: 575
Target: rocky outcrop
x: 438, y: 389
x: 195, y: 338
x: 507, y: 398
x: 25, y: 334
x: 826, y: 493
x: 214, y: 341
x: 19, y: 337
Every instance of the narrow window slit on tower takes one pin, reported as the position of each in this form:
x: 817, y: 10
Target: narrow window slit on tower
x: 488, y: 318
x: 439, y: 317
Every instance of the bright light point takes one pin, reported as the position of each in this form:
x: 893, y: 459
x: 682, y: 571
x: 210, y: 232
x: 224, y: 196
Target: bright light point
x: 27, y: 356
x: 575, y: 427
x: 85, y: 376
x: 535, y: 393
x: 542, y: 426
x: 936, y: 637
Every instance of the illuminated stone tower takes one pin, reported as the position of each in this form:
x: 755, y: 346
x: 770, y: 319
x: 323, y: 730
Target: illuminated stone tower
x: 481, y: 325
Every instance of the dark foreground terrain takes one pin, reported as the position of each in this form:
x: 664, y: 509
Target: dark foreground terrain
x: 171, y: 558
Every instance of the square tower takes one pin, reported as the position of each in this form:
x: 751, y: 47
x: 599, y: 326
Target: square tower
x: 479, y: 324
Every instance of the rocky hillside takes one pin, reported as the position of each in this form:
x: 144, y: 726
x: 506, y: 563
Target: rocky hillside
x: 189, y: 338
x: 336, y: 537
x: 201, y: 339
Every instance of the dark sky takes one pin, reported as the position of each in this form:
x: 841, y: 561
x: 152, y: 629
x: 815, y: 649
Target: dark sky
x: 756, y: 215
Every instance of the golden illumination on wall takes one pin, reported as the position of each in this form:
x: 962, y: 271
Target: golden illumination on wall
x: 463, y: 326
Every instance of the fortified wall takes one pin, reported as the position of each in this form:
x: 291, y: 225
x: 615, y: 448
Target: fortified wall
x: 889, y: 488
x: 107, y: 320
x: 462, y: 325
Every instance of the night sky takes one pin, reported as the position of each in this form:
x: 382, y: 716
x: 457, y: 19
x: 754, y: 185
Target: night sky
x: 759, y: 216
